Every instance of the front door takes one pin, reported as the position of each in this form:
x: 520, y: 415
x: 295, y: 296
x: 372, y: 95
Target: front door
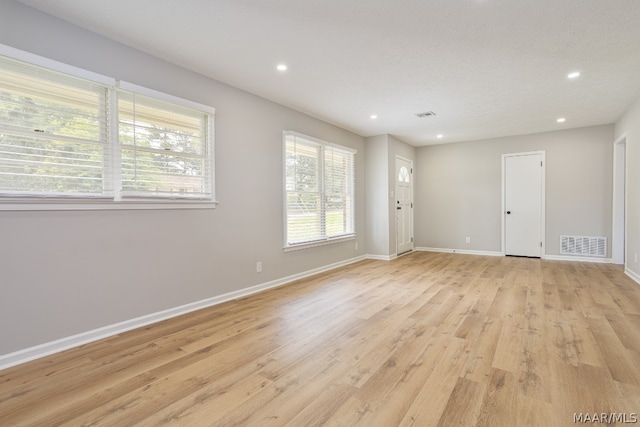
x: 404, y: 205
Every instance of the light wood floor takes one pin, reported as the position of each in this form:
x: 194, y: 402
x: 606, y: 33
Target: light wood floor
x: 425, y: 340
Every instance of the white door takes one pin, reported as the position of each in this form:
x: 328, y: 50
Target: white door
x: 523, y: 196
x: 404, y: 205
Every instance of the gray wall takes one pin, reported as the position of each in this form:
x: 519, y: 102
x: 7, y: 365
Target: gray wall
x: 458, y: 188
x: 377, y: 195
x: 629, y: 124
x: 63, y: 273
x: 380, y: 206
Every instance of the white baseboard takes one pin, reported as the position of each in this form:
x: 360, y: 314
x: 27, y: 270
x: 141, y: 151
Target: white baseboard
x: 635, y: 276
x: 578, y: 259
x: 494, y: 253
x: 46, y: 349
x: 459, y: 251
x: 382, y: 257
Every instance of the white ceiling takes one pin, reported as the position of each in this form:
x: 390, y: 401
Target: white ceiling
x: 487, y: 68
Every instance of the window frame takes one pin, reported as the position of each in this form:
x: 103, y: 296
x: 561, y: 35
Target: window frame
x: 209, y: 146
x: 115, y: 201
x: 324, y: 240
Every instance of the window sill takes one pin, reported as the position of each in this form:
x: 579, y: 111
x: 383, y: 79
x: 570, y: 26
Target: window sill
x: 100, y: 205
x: 318, y: 243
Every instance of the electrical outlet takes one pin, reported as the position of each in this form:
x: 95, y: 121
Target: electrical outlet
x: 259, y: 267
x: 468, y: 240
x: 635, y: 257
x: 356, y: 246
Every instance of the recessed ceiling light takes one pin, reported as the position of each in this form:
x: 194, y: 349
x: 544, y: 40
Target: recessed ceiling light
x: 373, y: 117
x: 574, y: 75
x: 561, y: 120
x: 440, y: 136
x: 281, y: 67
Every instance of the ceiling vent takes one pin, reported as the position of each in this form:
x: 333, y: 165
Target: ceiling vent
x: 426, y: 114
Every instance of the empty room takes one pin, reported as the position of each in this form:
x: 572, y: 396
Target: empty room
x: 301, y: 213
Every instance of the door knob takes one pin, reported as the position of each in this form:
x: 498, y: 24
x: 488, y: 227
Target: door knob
x: 399, y: 207
x: 508, y: 212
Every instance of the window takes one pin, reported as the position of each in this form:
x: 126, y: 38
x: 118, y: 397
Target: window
x: 163, y: 148
x: 64, y: 137
x: 403, y: 175
x: 53, y: 133
x: 319, y: 191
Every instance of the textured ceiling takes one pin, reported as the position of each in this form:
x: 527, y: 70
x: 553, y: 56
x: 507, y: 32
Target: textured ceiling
x: 487, y: 68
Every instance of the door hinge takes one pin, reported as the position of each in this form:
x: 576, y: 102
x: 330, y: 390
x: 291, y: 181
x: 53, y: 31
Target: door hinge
x: 411, y: 205
x: 540, y: 164
x: 412, y: 240
x: 411, y: 170
x: 540, y: 244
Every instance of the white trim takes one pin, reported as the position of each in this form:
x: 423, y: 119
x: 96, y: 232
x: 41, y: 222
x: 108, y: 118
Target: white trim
x: 92, y: 205
x: 619, y: 139
x: 459, y: 251
x: 151, y: 93
x: 382, y: 257
x: 495, y: 253
x: 633, y: 275
x: 404, y: 253
x: 619, y: 144
x: 543, y: 209
x: 46, y: 349
x: 317, y: 243
x: 318, y: 141
x: 211, y: 139
x: 285, y: 223
x: 577, y: 259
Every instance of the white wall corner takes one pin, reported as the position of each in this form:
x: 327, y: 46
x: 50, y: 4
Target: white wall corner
x: 633, y: 275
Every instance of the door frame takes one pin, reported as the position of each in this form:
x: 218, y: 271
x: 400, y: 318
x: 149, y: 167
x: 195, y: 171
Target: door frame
x: 395, y: 189
x: 503, y: 227
x: 619, y: 237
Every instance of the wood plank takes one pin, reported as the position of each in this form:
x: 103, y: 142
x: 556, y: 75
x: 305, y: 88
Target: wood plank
x: 463, y: 406
x: 582, y: 389
x: 509, y: 348
x: 482, y: 350
x: 619, y: 360
x: 431, y: 382
x: 499, y: 406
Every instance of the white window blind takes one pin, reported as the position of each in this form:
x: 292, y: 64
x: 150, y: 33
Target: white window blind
x: 53, y: 133
x: 164, y: 151
x: 63, y: 136
x: 319, y: 190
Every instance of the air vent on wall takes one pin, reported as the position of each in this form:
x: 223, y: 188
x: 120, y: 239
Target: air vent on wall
x: 426, y: 114
x: 583, y: 245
